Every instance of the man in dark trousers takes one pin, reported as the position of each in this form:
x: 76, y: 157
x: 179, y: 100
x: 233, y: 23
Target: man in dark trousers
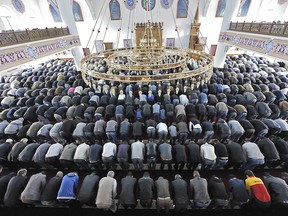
x: 271, y: 155
x: 88, y: 189
x: 128, y: 187
x: 14, y: 189
x: 193, y: 155
x: 146, y: 190
x: 179, y: 155
x: 180, y: 194
x: 236, y: 155
x: 49, y: 194
x: 217, y: 192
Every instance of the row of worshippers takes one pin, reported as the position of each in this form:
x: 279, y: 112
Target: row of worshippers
x: 266, y: 152
x: 248, y: 96
x: 178, y: 194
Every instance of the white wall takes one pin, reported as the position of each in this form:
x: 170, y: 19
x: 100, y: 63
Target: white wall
x: 23, y: 20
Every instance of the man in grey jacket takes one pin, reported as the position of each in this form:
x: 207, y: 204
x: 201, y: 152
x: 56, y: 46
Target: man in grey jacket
x: 107, y: 192
x: 163, y: 194
x: 127, y: 196
x: 199, y: 191
x: 33, y: 189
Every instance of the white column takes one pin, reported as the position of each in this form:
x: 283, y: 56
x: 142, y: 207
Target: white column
x: 65, y: 8
x: 2, y: 26
x: 230, y: 12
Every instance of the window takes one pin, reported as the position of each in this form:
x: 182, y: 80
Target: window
x: 148, y: 5
x: 77, y: 12
x: 55, y: 13
x: 115, y: 12
x: 243, y: 8
x: 221, y: 8
x: 182, y: 8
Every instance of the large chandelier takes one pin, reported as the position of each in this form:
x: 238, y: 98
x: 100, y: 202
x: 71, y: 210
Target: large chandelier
x: 147, y: 61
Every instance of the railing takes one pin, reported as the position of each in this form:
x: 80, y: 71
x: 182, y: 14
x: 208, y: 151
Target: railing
x: 18, y: 37
x: 261, y: 28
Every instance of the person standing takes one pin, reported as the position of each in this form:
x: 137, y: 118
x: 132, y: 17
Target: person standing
x: 259, y: 197
x: 107, y: 192
x: 127, y: 196
x: 199, y: 191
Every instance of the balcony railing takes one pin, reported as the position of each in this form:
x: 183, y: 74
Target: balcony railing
x: 18, y: 37
x: 263, y: 28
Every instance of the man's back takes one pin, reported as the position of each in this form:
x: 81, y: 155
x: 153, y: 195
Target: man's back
x: 199, y: 189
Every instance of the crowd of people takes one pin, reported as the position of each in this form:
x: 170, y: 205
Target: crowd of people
x: 177, y: 194
x: 51, y: 119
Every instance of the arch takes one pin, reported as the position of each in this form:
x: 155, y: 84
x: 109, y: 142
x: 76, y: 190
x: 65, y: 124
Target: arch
x: 182, y: 8
x: 77, y: 12
x: 221, y: 8
x: 114, y: 8
x: 151, y: 4
x: 8, y: 17
x: 243, y: 8
x: 55, y: 13
x: 91, y: 4
x: 5, y: 12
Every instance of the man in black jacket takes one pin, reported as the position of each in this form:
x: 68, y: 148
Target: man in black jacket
x: 180, y: 194
x: 4, y: 180
x: 127, y: 196
x: 5, y: 148
x: 146, y: 190
x: 217, y: 192
x: 14, y: 189
x: 236, y: 155
x: 193, y: 155
x: 179, y: 155
x: 49, y: 194
x: 88, y: 189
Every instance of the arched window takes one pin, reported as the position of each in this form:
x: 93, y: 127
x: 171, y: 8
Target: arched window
x: 243, y: 8
x: 221, y: 8
x: 115, y: 12
x: 182, y: 8
x: 77, y: 12
x: 55, y: 13
x: 8, y: 18
x: 148, y: 5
